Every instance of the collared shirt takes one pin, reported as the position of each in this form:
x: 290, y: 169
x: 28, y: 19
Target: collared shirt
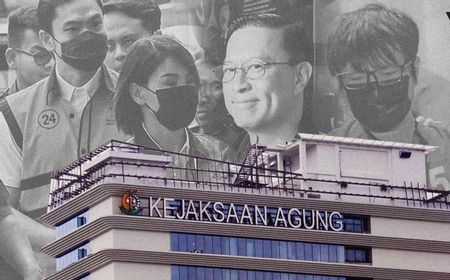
x: 12, y: 168
x: 78, y: 96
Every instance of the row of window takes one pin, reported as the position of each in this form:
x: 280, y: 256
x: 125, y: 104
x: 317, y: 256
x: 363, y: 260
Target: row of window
x: 72, y: 224
x: 72, y: 256
x: 359, y: 224
x: 203, y: 273
x: 264, y: 248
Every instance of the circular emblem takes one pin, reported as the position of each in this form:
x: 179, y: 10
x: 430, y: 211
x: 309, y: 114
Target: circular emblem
x: 131, y: 204
x: 48, y: 119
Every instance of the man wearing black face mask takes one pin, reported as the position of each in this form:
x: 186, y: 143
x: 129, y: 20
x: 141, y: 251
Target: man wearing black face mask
x: 373, y: 54
x: 62, y: 117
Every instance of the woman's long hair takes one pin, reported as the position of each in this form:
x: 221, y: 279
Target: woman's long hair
x: 144, y: 57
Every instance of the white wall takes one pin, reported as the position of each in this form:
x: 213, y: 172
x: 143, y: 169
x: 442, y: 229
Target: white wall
x: 107, y: 207
x: 410, y: 229
x: 141, y: 240
x: 120, y: 271
x: 411, y: 260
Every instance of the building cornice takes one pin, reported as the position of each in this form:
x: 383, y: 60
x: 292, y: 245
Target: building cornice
x: 102, y: 258
x: 272, y: 199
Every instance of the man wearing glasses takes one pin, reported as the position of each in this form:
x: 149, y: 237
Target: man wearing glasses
x: 373, y: 54
x: 266, y: 71
x: 25, y: 54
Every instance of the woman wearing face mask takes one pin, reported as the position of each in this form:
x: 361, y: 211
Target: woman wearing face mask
x: 157, y: 97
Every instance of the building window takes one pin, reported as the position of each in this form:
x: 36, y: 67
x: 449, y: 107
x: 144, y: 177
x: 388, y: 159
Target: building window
x: 179, y: 272
x: 359, y: 224
x: 357, y: 255
x: 82, y: 253
x: 81, y: 221
x: 265, y: 248
x: 72, y: 224
x: 72, y: 256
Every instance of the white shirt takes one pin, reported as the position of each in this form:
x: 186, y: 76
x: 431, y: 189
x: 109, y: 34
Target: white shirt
x: 10, y: 153
x: 78, y: 96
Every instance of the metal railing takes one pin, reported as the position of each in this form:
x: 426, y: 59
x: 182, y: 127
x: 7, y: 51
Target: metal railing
x: 258, y: 174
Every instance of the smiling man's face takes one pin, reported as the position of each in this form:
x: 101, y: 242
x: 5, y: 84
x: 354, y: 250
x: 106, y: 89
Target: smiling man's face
x: 270, y: 100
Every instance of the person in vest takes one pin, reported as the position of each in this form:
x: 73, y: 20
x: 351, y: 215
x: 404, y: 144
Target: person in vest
x: 127, y: 21
x: 25, y: 54
x: 373, y: 55
x: 156, y: 100
x: 60, y: 118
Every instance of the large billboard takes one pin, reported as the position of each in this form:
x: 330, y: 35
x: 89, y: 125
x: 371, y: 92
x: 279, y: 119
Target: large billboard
x: 210, y: 78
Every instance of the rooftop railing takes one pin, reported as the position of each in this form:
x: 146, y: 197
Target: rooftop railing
x: 259, y: 173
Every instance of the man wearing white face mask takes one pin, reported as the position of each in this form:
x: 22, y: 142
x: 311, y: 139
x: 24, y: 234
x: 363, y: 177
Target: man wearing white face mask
x: 377, y: 67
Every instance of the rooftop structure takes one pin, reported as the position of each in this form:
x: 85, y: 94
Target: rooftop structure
x: 315, y: 166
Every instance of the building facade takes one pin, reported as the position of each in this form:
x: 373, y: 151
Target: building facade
x: 320, y: 208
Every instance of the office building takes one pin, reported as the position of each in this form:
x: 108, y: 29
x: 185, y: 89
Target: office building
x: 319, y: 208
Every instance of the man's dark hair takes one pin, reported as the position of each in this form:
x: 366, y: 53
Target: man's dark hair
x: 46, y: 12
x: 18, y: 21
x: 145, y: 56
x: 296, y: 42
x: 146, y: 10
x: 369, y: 37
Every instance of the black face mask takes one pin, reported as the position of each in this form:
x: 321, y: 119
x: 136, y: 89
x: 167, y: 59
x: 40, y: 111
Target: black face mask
x: 177, y: 106
x: 380, y: 108
x: 85, y: 52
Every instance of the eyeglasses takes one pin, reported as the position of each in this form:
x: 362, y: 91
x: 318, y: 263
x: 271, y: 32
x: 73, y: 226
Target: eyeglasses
x: 40, y: 58
x: 382, y: 77
x: 253, y: 69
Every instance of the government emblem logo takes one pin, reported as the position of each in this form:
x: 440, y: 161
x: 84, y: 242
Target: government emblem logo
x: 131, y: 204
